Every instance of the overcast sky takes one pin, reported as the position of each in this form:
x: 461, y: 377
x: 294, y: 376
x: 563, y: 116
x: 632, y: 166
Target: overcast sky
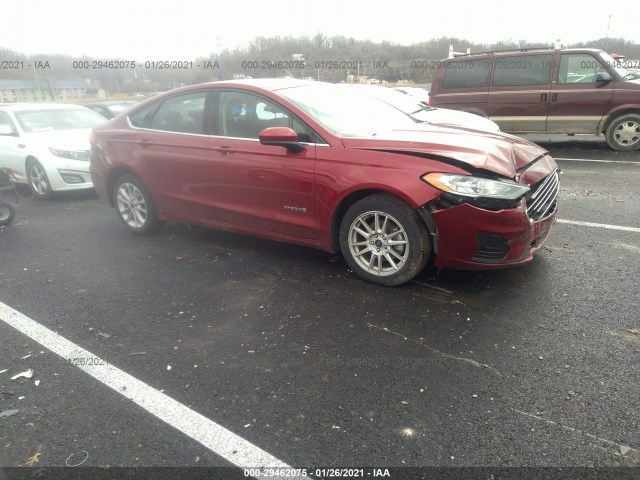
x: 184, y: 29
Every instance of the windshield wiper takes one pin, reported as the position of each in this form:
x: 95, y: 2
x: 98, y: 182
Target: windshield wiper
x: 426, y: 108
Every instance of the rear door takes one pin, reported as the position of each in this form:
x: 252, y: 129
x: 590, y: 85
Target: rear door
x: 262, y: 187
x: 519, y: 94
x: 578, y: 99
x: 172, y: 154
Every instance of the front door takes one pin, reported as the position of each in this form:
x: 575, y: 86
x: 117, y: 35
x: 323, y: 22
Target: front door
x: 262, y: 187
x: 579, y: 98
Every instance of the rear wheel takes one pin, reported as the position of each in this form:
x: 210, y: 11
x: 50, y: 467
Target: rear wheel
x: 384, y: 241
x: 7, y: 212
x: 623, y: 133
x: 39, y: 180
x: 134, y: 205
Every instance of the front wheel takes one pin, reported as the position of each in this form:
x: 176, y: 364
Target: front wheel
x: 7, y: 212
x: 134, y: 205
x: 39, y: 180
x: 384, y: 241
x: 623, y: 133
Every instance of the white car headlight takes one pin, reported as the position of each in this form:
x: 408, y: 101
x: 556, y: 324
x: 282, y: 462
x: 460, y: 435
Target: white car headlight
x: 70, y: 154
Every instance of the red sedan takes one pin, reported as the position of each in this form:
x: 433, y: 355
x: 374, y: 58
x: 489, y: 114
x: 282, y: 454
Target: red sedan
x: 312, y: 164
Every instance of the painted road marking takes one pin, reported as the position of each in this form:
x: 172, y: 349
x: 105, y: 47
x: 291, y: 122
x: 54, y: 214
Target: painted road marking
x: 596, y: 160
x: 216, y: 438
x: 599, y: 225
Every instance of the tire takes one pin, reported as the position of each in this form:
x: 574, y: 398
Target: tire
x: 623, y: 133
x: 384, y: 241
x: 134, y: 205
x: 7, y: 212
x: 39, y: 180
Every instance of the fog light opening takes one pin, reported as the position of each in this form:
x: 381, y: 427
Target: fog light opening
x: 71, y: 177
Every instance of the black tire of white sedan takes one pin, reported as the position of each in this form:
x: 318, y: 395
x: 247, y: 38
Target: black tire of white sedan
x: 623, y: 133
x: 384, y: 240
x: 7, y: 212
x: 134, y: 205
x: 38, y: 179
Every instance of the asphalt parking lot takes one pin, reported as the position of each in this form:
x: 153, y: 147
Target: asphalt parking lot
x: 288, y: 357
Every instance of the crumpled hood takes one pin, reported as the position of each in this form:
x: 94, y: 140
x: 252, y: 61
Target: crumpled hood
x: 496, y: 152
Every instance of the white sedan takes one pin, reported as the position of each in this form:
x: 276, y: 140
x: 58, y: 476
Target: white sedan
x: 423, y: 112
x: 49, y: 144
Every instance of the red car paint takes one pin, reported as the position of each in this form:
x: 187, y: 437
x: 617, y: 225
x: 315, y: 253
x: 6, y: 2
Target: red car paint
x: 241, y: 185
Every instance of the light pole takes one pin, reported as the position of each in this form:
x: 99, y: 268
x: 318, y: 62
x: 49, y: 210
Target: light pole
x: 607, y: 35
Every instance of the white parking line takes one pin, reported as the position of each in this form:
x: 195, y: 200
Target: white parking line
x: 599, y: 225
x: 595, y: 160
x: 216, y: 438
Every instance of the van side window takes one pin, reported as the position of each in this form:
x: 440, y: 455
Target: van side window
x: 466, y: 73
x: 522, y: 70
x: 579, y: 68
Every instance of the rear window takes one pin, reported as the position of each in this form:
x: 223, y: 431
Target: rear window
x: 466, y: 73
x: 522, y: 70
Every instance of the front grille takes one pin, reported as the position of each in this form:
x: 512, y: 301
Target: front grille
x: 541, y: 199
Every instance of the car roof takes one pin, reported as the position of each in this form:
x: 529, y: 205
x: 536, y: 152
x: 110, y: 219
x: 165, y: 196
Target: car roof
x: 515, y: 51
x: 270, y: 84
x: 22, y: 107
x: 106, y: 103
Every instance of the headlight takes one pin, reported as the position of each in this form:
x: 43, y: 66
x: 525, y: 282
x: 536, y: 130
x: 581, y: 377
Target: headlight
x: 482, y: 192
x: 70, y: 154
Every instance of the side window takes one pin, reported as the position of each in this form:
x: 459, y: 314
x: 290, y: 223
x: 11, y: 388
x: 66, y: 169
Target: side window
x: 522, y: 70
x: 6, y: 125
x: 466, y: 73
x: 142, y: 118
x: 579, y: 68
x: 245, y: 115
x: 182, y: 113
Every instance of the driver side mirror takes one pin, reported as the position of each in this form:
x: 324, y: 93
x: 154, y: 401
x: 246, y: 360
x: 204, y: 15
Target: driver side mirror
x: 603, y: 77
x: 6, y: 129
x: 283, y: 137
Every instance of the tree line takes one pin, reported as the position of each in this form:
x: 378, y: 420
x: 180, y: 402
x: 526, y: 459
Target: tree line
x: 319, y: 57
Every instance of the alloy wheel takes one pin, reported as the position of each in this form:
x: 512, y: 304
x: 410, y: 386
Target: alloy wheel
x: 131, y: 205
x: 379, y: 243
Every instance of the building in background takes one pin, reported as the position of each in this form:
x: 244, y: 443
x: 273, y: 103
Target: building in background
x: 45, y: 90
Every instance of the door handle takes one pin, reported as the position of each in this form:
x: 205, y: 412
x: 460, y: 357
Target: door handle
x: 224, y: 150
x: 543, y: 97
x: 21, y: 145
x: 554, y: 97
x: 144, y: 143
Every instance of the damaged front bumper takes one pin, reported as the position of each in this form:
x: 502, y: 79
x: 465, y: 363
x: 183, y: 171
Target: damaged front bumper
x: 468, y: 237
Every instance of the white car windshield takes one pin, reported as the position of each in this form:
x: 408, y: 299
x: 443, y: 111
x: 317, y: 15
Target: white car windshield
x: 346, y: 113
x: 48, y: 120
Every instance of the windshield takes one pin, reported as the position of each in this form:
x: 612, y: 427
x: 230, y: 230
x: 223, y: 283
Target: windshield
x: 617, y: 66
x: 405, y: 103
x: 47, y: 120
x: 346, y: 113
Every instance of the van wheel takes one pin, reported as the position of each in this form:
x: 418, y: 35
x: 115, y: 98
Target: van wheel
x: 623, y: 133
